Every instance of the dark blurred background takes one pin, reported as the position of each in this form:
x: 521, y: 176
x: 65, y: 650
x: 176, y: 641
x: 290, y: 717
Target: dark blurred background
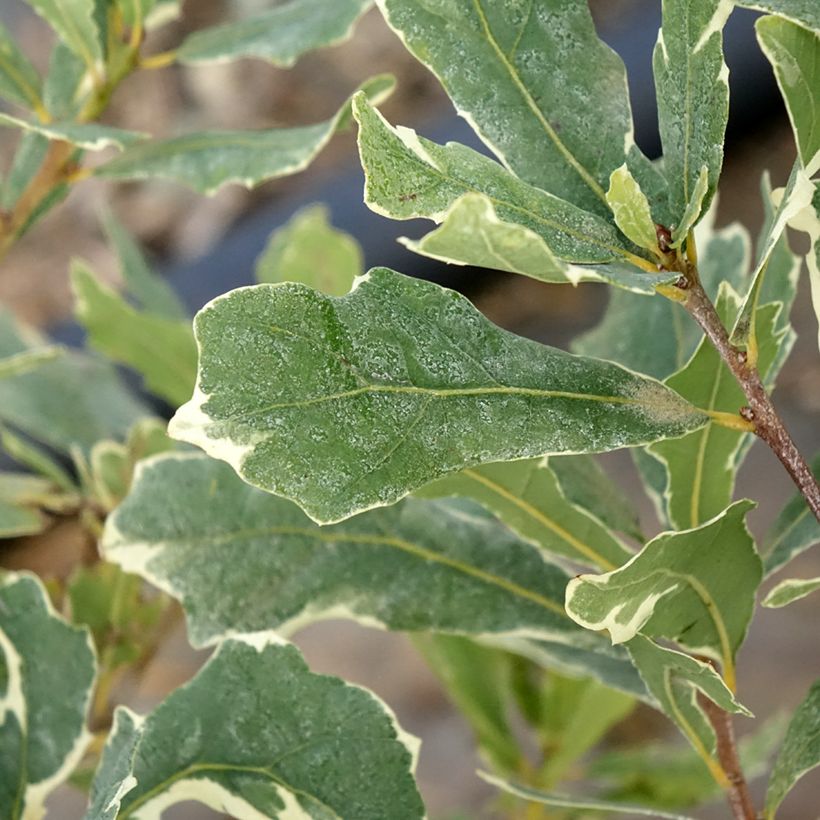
x: 207, y: 246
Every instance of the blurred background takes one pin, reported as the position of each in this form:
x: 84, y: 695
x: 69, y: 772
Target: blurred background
x: 208, y: 245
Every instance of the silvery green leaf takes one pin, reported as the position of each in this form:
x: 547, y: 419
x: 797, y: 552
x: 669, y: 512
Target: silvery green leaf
x: 800, y: 752
x: 19, y: 80
x: 571, y: 801
x: 794, y: 53
x: 694, y: 209
x: 407, y: 176
x: 808, y: 220
x: 28, y: 360
x: 242, y: 561
x: 701, y: 468
x: 692, y: 88
x: 113, y: 779
x: 74, y: 21
x: 48, y: 668
x: 161, y: 350
x: 586, y: 484
x: 526, y: 495
x: 30, y: 153
x: 35, y: 459
x: 675, y: 679
x: 22, y: 499
x: 91, y: 137
x: 793, y: 589
x: 151, y: 13
x: 152, y: 292
x: 796, y: 197
x: 537, y: 84
x: 343, y: 404
x: 793, y: 532
x: 802, y: 12
x: 208, y: 160
x: 206, y: 743
x: 308, y: 249
x: 680, y: 587
x: 280, y: 35
x: 65, y: 87
x: 630, y: 209
x: 471, y: 233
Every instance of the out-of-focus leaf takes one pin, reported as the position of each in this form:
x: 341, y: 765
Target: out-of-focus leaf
x: 308, y: 249
x: 280, y: 35
x: 161, y: 350
x: 570, y: 801
x: 30, y: 153
x: 49, y: 669
x: 75, y: 23
x: 91, y: 137
x: 527, y: 497
x: 680, y: 587
x: 800, y: 752
x: 794, y: 53
x: 537, y: 84
x: 64, y: 89
x: 19, y: 80
x: 692, y: 88
x: 349, y: 403
x: 208, y: 160
x: 790, y: 590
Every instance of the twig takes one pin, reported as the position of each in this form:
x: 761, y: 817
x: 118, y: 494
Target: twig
x: 738, y: 795
x: 760, y: 411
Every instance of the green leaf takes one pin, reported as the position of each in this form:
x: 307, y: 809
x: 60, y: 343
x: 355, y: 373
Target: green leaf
x: 22, y: 497
x: 694, y: 208
x: 243, y: 561
x: 536, y: 83
x: 796, y: 197
x: 280, y: 35
x: 527, y: 497
x: 206, y: 743
x: 74, y: 22
x: 208, y: 160
x: 808, y: 220
x: 574, y: 801
x: 477, y: 680
x: 161, y: 350
x: 800, y: 752
x: 407, y: 176
x: 19, y: 80
x: 91, y: 137
x: 802, y: 12
x: 691, y: 85
x: 17, y: 520
x: 28, y: 360
x: 585, y: 484
x: 793, y: 532
x: 676, y: 680
x: 28, y: 157
x: 681, y: 586
x: 113, y: 779
x: 655, y: 336
x: 49, y: 669
x: 349, y: 403
x: 794, y: 53
x: 28, y: 455
x: 151, y: 13
x: 309, y: 250
x: 630, y: 209
x: 701, y: 467
x: 152, y: 292
x: 790, y: 590
x: 65, y: 88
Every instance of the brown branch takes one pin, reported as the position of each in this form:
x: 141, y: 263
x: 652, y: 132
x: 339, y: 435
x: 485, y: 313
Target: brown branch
x: 760, y: 411
x: 740, y: 801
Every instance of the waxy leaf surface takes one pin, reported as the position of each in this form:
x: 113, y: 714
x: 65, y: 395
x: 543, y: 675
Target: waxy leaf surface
x: 206, y: 742
x: 696, y: 587
x: 349, y: 403
x: 47, y: 668
x: 692, y: 88
x: 535, y: 81
x: 804, y: 12
x: 280, y: 35
x: 527, y: 496
x: 161, y: 350
x: 242, y: 560
x: 630, y: 209
x: 800, y: 752
x: 407, y: 176
x: 19, y: 80
x: 794, y: 53
x: 308, y: 249
x: 208, y: 160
